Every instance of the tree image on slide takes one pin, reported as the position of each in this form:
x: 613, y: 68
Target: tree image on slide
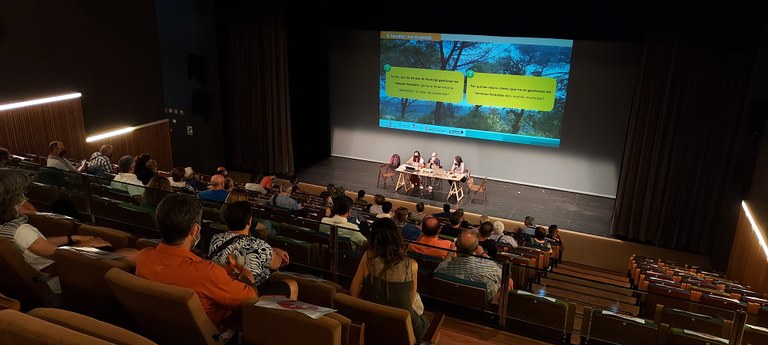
x: 480, y: 57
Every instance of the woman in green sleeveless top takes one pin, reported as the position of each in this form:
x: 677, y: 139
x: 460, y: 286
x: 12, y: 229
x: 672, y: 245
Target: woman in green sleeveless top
x: 387, y: 276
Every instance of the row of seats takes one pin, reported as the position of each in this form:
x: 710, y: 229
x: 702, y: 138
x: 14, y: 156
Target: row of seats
x: 690, y: 298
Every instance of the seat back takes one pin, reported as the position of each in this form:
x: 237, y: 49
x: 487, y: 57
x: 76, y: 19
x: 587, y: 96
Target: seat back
x: 20, y: 281
x: 84, y: 288
x: 555, y: 316
x: 684, y: 319
x: 89, y: 326
x: 384, y: 325
x: 461, y: 291
x: 754, y: 335
x: 166, y: 314
x: 679, y: 336
x: 313, y: 290
x: 52, y: 225
x: 273, y: 326
x: 607, y: 327
x: 19, y: 328
x: 118, y: 239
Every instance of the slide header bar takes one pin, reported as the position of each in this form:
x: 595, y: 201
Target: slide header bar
x: 426, y: 36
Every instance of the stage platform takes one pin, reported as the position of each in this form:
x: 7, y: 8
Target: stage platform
x: 583, y: 213
x: 585, y: 219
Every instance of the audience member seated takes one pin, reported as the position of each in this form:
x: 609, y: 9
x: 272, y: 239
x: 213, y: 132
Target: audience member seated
x: 386, y: 210
x: 284, y: 200
x: 378, y: 200
x: 540, y: 240
x: 216, y: 193
x: 250, y: 253
x: 410, y: 231
x: 177, y: 180
x: 387, y: 276
x: 499, y: 237
x: 466, y: 265
x: 454, y: 227
x: 446, y: 212
x: 5, y: 157
x: 361, y: 200
x: 221, y: 171
x: 530, y: 227
x: 99, y: 163
x: 158, y: 188
x: 143, y: 172
x: 553, y: 236
x: 172, y: 262
x: 345, y: 228
x: 429, y: 239
x: 419, y: 215
x: 295, y: 183
x: 464, y: 224
x: 484, y: 237
x: 152, y: 166
x: 193, y: 180
x: 126, y: 180
x: 229, y: 184
x: 56, y: 153
x: 37, y: 249
x: 268, y: 181
x: 262, y: 229
x: 255, y: 187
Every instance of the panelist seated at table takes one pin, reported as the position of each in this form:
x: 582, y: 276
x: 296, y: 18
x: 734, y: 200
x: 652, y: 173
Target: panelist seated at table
x: 458, y: 165
x: 417, y: 162
x: 433, y: 161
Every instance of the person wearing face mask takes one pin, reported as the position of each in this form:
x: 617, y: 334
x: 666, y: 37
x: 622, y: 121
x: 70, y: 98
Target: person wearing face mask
x: 56, y: 153
x: 417, y: 162
x: 458, y: 165
x: 172, y: 262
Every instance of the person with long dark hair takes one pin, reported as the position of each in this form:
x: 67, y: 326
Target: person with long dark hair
x: 387, y: 276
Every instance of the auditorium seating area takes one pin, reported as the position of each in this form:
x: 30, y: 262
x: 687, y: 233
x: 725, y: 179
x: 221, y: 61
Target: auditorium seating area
x: 553, y: 299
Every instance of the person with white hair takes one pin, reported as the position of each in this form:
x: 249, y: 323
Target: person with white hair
x: 499, y: 237
x: 193, y: 180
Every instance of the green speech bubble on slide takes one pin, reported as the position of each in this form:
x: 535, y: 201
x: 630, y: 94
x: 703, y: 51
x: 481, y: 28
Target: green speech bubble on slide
x: 512, y: 91
x: 425, y: 84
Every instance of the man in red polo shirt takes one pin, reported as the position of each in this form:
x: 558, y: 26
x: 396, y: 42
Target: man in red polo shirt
x: 172, y: 262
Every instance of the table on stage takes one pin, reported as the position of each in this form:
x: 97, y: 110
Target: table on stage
x: 404, y: 181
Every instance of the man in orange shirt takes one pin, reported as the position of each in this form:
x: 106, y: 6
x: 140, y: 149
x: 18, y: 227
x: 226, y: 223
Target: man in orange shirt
x: 268, y: 181
x: 172, y: 262
x: 430, y: 227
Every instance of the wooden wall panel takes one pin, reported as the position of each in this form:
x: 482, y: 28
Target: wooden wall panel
x: 748, y: 263
x: 154, y: 140
x: 31, y: 129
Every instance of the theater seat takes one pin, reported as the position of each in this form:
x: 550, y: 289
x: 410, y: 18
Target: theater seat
x: 263, y: 326
x: 19, y: 328
x: 166, y: 314
x: 22, y: 282
x: 89, y: 326
x: 384, y: 325
x: 84, y: 288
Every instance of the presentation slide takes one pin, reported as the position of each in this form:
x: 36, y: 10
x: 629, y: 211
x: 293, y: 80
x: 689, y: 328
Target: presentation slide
x: 508, y: 89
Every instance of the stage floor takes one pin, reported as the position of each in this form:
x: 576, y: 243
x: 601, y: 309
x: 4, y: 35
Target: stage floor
x: 573, y: 211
